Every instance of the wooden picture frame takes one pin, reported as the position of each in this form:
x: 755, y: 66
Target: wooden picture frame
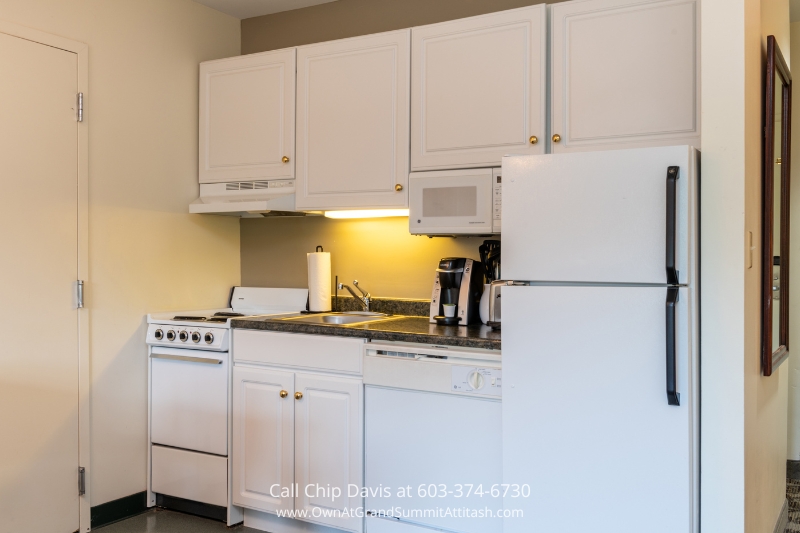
x: 775, y: 264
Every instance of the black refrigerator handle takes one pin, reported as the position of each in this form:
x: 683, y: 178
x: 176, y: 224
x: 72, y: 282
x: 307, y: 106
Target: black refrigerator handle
x: 673, y: 397
x: 673, y: 173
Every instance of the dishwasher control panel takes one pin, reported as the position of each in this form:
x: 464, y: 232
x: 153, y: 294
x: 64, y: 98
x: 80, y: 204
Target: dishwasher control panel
x: 476, y: 380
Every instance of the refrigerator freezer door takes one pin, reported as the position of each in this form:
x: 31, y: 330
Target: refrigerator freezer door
x: 599, y: 216
x: 586, y: 418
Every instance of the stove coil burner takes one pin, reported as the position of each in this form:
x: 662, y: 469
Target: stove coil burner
x: 220, y: 317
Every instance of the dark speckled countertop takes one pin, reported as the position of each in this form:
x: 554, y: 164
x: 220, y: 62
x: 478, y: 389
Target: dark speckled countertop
x: 398, y: 329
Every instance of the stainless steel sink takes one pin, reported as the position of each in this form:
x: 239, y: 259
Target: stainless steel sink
x: 339, y: 319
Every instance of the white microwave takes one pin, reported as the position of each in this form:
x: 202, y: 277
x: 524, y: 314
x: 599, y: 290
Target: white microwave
x: 455, y: 202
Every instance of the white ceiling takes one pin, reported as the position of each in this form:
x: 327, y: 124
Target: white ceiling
x: 244, y: 9
x: 794, y: 10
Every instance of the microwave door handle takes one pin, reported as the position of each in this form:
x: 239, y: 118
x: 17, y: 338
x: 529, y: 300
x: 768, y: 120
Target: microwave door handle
x: 673, y: 397
x: 673, y: 173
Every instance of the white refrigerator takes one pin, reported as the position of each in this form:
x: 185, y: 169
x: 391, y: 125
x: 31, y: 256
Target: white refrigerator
x: 600, y: 331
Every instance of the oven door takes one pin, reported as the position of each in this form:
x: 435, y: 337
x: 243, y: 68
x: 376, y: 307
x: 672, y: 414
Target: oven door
x: 189, y: 399
x: 451, y: 202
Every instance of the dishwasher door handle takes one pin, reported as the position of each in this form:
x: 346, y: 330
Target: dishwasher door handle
x: 186, y: 358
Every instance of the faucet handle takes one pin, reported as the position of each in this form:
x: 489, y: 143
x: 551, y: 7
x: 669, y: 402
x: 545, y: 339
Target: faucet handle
x: 355, y: 284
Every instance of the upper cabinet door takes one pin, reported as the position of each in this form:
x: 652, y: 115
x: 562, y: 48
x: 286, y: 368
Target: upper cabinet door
x: 247, y: 117
x: 478, y: 89
x: 625, y: 74
x: 353, y: 122
x: 328, y: 447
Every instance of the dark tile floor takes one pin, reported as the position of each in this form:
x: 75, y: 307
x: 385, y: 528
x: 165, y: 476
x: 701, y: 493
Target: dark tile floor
x: 793, y: 497
x: 163, y: 521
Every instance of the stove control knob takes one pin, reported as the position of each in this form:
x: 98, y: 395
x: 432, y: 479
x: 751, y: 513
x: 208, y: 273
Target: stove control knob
x: 170, y: 335
x: 183, y: 336
x: 195, y: 336
x: 209, y: 338
x: 158, y: 334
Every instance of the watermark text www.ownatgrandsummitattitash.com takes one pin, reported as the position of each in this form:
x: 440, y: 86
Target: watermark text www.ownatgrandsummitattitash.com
x: 333, y: 501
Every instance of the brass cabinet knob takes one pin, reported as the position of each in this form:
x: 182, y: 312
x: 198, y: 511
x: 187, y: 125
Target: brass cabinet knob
x: 556, y: 138
x: 298, y: 395
x: 284, y: 394
x: 534, y: 139
x: 285, y: 159
x: 398, y: 187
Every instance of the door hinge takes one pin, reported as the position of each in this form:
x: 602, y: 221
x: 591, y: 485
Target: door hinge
x: 81, y: 481
x: 79, y: 294
x: 80, y: 107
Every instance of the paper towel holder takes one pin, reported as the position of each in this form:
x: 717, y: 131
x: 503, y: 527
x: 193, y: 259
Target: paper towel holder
x: 308, y: 310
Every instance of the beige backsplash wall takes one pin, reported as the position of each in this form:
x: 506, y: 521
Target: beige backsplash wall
x: 348, y: 18
x: 380, y: 253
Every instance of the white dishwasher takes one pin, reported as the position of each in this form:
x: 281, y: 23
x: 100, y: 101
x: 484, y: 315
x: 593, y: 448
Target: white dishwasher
x: 432, y: 424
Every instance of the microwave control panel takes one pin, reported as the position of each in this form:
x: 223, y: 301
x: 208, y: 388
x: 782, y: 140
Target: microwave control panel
x: 497, y: 199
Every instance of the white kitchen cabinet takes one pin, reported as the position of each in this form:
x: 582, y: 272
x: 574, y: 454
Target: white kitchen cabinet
x: 478, y: 89
x: 263, y: 438
x: 328, y: 445
x: 353, y: 122
x: 625, y: 74
x: 297, y: 424
x: 247, y: 117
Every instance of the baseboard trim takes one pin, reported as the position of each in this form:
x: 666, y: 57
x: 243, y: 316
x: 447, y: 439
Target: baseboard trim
x: 783, y: 518
x: 206, y: 510
x: 116, y: 510
x: 793, y: 469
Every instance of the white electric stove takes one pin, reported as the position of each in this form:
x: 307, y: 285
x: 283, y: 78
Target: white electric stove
x: 189, y: 416
x: 207, y: 329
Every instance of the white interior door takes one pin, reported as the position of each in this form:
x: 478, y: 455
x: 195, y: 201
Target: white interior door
x: 599, y: 216
x: 353, y: 122
x: 39, y: 214
x: 586, y: 419
x: 328, y: 447
x: 263, y: 438
x: 625, y: 74
x: 247, y: 117
x: 478, y: 89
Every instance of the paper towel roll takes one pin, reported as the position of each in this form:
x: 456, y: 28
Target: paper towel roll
x: 319, y: 281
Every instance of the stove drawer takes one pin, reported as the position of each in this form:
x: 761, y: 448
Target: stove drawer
x: 189, y: 475
x: 189, y: 399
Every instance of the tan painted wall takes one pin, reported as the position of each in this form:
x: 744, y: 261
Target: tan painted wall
x: 146, y: 252
x: 766, y: 398
x: 794, y: 288
x: 380, y: 253
x: 348, y: 18
x: 743, y: 414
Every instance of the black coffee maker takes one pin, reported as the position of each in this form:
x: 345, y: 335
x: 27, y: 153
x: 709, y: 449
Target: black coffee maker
x: 459, y: 282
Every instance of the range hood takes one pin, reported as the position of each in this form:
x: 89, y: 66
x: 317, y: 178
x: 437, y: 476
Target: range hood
x: 247, y: 199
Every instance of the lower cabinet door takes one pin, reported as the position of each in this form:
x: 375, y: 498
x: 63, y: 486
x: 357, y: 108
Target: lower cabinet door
x: 329, y: 450
x: 263, y: 439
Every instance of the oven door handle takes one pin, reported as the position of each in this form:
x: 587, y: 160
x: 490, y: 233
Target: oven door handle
x: 186, y: 358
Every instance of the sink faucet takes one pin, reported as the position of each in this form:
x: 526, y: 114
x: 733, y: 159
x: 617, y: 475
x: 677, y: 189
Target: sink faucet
x: 364, y: 298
